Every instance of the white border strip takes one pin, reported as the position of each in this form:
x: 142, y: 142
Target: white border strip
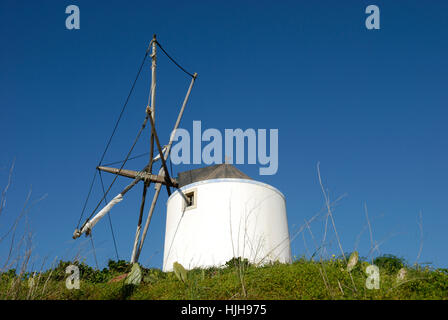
x: 191, y: 185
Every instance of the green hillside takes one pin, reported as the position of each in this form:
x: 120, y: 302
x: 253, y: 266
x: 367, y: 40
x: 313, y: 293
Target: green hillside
x: 303, y: 279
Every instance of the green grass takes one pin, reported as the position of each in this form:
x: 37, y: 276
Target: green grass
x: 303, y: 279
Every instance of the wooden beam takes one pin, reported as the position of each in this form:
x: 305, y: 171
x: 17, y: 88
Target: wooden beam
x: 144, y: 175
x: 162, y: 156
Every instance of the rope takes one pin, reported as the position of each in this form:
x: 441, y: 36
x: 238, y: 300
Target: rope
x: 112, y: 135
x: 116, y: 176
x: 110, y: 219
x: 87, y: 199
x: 124, y: 107
x: 94, y: 253
x: 174, y: 61
x: 131, y: 158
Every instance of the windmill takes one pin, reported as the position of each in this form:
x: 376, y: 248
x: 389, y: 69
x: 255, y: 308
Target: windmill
x: 161, y: 179
x: 215, y: 213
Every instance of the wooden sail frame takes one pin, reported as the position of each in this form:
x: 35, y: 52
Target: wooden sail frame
x: 145, y: 175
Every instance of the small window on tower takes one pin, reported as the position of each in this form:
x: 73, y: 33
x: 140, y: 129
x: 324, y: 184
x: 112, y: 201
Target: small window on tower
x: 190, y: 199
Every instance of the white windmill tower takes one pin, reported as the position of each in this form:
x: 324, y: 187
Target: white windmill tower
x: 219, y: 213
x: 216, y: 213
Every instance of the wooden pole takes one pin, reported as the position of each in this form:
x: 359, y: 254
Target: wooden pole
x: 143, y: 175
x: 151, y: 107
x: 139, y: 224
x: 162, y: 157
x: 153, y: 76
x: 179, y: 117
x: 166, y: 155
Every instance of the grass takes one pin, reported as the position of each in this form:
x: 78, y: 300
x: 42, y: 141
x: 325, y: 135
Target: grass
x: 300, y: 280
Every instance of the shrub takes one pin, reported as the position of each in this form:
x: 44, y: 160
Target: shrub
x: 389, y: 263
x: 237, y: 262
x: 120, y: 266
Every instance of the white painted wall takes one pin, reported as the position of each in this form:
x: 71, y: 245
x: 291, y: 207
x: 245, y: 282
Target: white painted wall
x: 232, y: 218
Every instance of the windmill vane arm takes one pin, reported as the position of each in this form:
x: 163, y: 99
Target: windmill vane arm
x: 92, y: 222
x: 147, y: 177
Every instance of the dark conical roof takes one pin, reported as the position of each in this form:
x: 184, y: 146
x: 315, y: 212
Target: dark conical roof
x: 217, y: 171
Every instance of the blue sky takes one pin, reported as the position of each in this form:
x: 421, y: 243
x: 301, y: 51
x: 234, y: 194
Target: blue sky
x: 369, y: 105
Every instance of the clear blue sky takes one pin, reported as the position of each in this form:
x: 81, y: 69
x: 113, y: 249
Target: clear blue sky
x: 369, y: 105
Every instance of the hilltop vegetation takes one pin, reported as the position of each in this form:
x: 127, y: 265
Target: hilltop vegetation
x: 303, y: 279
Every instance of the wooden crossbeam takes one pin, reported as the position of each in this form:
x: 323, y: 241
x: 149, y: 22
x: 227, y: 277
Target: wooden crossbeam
x: 148, y: 177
